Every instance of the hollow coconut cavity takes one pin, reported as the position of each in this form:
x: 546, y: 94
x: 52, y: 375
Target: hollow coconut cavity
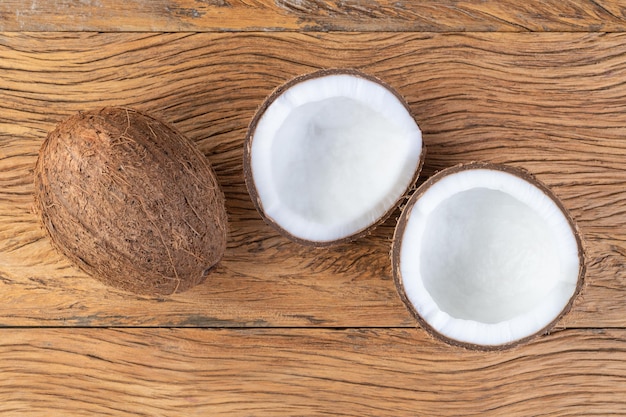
x: 329, y: 155
x: 486, y: 257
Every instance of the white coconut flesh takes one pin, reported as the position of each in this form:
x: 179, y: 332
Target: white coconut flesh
x: 333, y: 154
x: 487, y: 258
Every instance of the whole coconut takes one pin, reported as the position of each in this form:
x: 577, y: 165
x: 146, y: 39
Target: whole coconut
x: 131, y: 201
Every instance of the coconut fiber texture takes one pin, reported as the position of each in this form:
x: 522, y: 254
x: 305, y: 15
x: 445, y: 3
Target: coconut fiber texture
x: 131, y: 201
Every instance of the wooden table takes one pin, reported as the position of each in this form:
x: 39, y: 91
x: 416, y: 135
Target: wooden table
x: 279, y: 329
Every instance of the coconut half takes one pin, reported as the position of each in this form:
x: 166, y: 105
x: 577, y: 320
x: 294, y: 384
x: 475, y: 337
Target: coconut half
x: 329, y: 155
x: 485, y: 256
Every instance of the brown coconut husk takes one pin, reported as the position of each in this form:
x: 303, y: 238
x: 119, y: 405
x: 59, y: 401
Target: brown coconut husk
x: 131, y: 201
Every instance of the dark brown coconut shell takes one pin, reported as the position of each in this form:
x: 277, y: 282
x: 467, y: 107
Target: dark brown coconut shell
x: 131, y: 201
x: 401, y: 227
x: 247, y: 163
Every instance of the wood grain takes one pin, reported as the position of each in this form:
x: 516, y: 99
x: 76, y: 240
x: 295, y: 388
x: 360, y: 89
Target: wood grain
x: 553, y: 103
x: 313, y: 15
x: 273, y: 372
x: 282, y: 330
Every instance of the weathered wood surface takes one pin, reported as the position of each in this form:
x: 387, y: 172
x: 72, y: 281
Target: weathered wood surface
x: 313, y: 15
x: 554, y: 104
x: 289, y: 330
x: 274, y: 372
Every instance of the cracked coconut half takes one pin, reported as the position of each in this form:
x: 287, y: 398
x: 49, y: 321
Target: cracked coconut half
x: 486, y: 257
x: 330, y: 154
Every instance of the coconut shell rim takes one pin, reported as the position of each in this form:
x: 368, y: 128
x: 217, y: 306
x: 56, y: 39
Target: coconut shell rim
x: 401, y: 227
x: 247, y: 157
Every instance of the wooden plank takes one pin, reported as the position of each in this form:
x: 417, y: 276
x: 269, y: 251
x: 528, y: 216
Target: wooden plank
x: 313, y: 15
x: 554, y: 103
x: 376, y: 372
